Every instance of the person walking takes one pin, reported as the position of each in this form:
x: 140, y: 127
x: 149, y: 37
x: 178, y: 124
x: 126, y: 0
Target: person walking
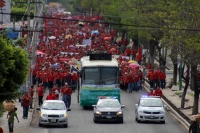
x: 51, y: 96
x: 66, y: 95
x: 11, y: 117
x: 26, y: 99
x: 40, y: 94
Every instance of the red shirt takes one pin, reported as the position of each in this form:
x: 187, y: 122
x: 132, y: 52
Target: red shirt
x: 139, y: 57
x: 74, y: 77
x: 51, y: 97
x: 150, y: 94
x: 50, y: 77
x: 158, y: 92
x: 26, y: 99
x: 128, y: 51
x: 54, y: 89
x: 40, y: 91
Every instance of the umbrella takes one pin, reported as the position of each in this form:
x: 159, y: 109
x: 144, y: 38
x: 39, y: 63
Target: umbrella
x: 68, y: 36
x: 72, y: 63
x: 132, y: 61
x: 69, y: 18
x: 113, y: 50
x: 106, y: 38
x: 52, y: 37
x: 134, y: 66
x: 81, y: 23
x: 96, y: 32
x: 55, y: 65
x: 39, y: 52
x: 94, y: 19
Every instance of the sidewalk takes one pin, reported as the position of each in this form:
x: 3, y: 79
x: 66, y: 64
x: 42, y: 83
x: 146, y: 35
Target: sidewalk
x: 171, y: 96
x: 24, y: 124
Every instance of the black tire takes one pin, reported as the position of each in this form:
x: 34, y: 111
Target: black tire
x: 85, y: 107
x: 121, y: 120
x: 95, y: 121
x: 66, y: 125
x: 39, y: 124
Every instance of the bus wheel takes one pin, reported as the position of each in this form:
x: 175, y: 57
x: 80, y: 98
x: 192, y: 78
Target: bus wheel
x: 84, y: 107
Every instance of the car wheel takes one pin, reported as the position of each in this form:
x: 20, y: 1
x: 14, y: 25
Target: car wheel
x: 138, y: 121
x: 121, y: 121
x: 84, y: 107
x: 39, y: 124
x: 162, y: 122
x: 66, y: 125
x: 95, y: 121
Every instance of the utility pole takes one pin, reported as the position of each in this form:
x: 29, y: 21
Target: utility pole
x: 29, y: 36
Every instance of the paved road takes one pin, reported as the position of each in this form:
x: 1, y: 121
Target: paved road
x: 80, y: 121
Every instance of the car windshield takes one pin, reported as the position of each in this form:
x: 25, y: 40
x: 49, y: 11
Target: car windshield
x: 108, y: 104
x: 53, y: 106
x: 100, y: 75
x: 150, y: 103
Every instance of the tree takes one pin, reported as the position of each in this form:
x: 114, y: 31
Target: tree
x: 14, y: 64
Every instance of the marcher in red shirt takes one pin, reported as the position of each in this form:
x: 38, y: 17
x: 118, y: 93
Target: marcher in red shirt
x: 56, y: 91
x: 40, y: 94
x: 66, y: 93
x: 128, y: 52
x: 162, y: 77
x: 158, y: 92
x: 151, y: 93
x: 31, y: 94
x: 26, y: 99
x: 139, y: 58
x: 51, y: 96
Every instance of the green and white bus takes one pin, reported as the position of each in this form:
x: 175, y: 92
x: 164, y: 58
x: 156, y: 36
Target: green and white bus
x: 99, y: 77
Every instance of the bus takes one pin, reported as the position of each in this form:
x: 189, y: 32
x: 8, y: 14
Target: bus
x: 99, y: 77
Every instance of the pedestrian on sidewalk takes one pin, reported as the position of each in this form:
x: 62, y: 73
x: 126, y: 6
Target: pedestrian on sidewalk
x: 11, y: 117
x: 31, y: 94
x: 1, y: 130
x: 26, y: 99
x: 40, y: 94
x: 151, y: 93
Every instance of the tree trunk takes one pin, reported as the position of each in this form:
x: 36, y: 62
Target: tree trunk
x: 175, y: 72
x: 184, y: 92
x: 152, y: 46
x: 195, y: 88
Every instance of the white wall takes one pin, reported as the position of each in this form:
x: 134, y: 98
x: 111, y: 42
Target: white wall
x: 6, y: 9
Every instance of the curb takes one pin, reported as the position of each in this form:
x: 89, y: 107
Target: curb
x: 173, y: 110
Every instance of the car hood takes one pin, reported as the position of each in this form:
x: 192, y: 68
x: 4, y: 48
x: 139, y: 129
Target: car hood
x: 108, y: 109
x: 55, y: 112
x: 152, y: 108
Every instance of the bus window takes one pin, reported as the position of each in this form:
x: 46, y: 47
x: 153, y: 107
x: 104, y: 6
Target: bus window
x: 109, y: 75
x: 91, y: 75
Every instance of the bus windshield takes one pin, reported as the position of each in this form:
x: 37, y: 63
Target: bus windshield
x: 99, y: 75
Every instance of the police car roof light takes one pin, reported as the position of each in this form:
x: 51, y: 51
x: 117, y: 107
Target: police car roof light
x: 144, y: 96
x: 105, y: 97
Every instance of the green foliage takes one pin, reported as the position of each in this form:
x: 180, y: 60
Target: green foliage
x: 14, y: 64
x: 19, y: 12
x: 20, y: 42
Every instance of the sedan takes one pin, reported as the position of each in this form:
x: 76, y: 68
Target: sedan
x: 53, y: 112
x: 108, y: 110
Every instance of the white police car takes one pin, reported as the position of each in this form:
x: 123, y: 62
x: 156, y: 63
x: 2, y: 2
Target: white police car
x: 108, y: 109
x: 150, y: 108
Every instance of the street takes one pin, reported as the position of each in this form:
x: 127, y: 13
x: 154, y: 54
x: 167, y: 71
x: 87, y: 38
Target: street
x: 81, y: 121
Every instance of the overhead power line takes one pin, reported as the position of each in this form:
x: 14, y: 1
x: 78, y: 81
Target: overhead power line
x: 118, y: 24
